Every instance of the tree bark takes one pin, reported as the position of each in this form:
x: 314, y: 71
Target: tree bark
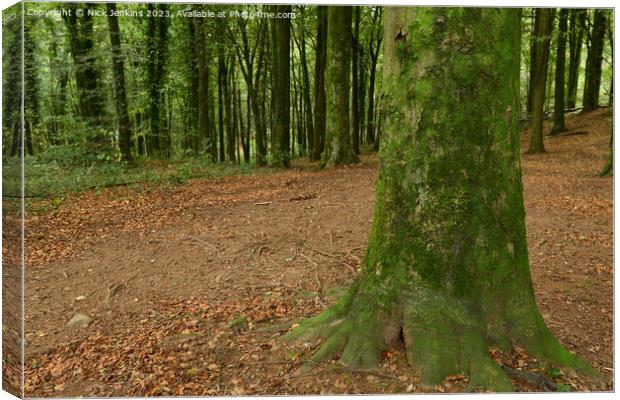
x: 373, y: 51
x: 559, y: 125
x: 355, y: 114
x: 338, y: 149
x: 320, y: 95
x: 594, y: 62
x: 446, y: 268
x: 542, y: 32
x: 575, y: 42
x: 281, y: 70
x: 157, y: 46
x: 118, y: 66
x: 202, y: 95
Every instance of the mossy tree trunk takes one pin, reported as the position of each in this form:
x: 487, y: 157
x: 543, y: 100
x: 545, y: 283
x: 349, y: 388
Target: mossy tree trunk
x: 559, y: 125
x: 338, y: 149
x: 594, y: 62
x: 542, y: 33
x: 320, y: 104
x: 446, y: 268
x: 281, y: 70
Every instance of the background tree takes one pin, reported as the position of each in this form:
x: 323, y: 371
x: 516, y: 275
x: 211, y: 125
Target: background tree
x: 281, y: 64
x: 542, y: 31
x: 157, y: 48
x: 124, y: 125
x: 91, y: 108
x: 374, y: 45
x: 320, y: 96
x: 575, y: 41
x: 594, y: 62
x: 338, y: 149
x: 559, y: 124
x: 446, y: 268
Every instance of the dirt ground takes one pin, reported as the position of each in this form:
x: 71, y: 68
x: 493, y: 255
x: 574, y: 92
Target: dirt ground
x: 163, y: 272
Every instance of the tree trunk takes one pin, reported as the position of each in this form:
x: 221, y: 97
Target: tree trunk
x: 373, y: 51
x: 307, y: 111
x: 157, y: 46
x: 542, y: 31
x: 355, y: 114
x: 281, y: 69
x: 319, y: 84
x: 202, y: 95
x: 124, y: 125
x: 230, y: 132
x: 338, y: 149
x: 575, y: 41
x: 559, y: 124
x: 446, y: 268
x: 86, y: 75
x: 533, y: 45
x: 594, y: 62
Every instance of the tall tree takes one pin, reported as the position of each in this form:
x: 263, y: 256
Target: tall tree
x: 251, y: 53
x: 594, y: 62
x: 374, y: 46
x: 320, y: 96
x: 559, y: 125
x: 542, y: 31
x: 306, y: 91
x: 157, y: 34
x: 202, y: 94
x: 281, y: 72
x: 355, y: 98
x: 118, y: 66
x: 338, y: 149
x: 81, y: 42
x: 575, y: 41
x: 446, y: 268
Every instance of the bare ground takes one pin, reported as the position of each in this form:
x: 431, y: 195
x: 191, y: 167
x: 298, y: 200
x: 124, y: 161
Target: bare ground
x: 164, y: 270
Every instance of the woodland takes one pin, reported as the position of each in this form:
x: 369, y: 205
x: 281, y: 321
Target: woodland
x: 297, y: 199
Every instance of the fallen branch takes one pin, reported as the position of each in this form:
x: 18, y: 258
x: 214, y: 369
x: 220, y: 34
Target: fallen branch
x: 205, y: 243
x: 264, y: 203
x: 568, y: 134
x: 321, y: 252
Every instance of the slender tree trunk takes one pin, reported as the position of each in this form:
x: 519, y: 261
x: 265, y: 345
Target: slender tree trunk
x: 446, y: 268
x: 542, y: 32
x: 86, y: 75
x: 559, y: 124
x: 373, y: 50
x: 307, y: 101
x: 355, y: 114
x: 230, y: 133
x: 319, y: 84
x: 281, y: 70
x: 124, y: 125
x: 202, y: 99
x: 577, y: 28
x: 533, y: 46
x: 338, y: 148
x: 157, y: 46
x: 594, y: 62
x: 194, y: 138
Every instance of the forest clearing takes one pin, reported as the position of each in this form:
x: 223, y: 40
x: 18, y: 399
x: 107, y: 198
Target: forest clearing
x: 164, y: 271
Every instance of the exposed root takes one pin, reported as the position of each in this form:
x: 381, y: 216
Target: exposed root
x: 442, y: 337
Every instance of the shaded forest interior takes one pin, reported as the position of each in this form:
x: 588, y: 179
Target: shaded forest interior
x: 171, y: 90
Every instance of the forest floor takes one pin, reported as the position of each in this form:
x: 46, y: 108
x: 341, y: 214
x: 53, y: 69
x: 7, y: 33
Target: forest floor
x: 163, y: 271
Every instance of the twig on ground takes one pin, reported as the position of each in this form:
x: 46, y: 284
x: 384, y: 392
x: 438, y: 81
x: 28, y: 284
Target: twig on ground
x: 532, y: 377
x: 320, y: 252
x: 205, y: 243
x: 263, y: 203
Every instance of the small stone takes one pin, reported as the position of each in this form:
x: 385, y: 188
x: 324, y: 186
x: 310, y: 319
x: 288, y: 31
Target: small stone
x: 80, y: 298
x: 79, y: 321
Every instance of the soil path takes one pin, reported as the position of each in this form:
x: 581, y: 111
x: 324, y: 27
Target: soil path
x: 125, y: 256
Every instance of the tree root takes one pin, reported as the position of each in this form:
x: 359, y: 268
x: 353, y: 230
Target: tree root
x: 441, y: 337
